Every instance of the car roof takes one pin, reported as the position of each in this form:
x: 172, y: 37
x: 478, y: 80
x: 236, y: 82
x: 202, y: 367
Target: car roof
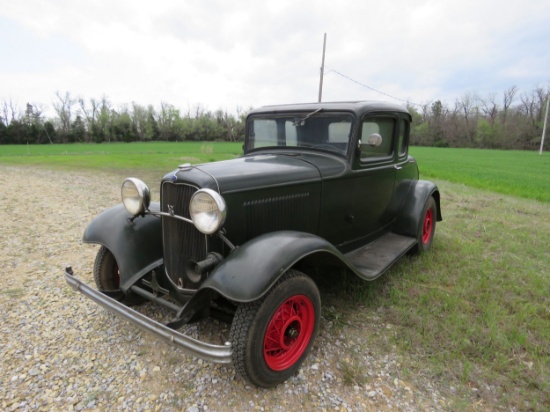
x: 358, y: 107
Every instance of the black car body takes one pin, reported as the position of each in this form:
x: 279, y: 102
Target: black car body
x: 319, y: 184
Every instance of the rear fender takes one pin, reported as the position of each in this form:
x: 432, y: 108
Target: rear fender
x: 410, y: 216
x: 136, y: 245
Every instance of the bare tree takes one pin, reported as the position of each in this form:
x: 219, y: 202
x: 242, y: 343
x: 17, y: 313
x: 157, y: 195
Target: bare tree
x: 9, y: 112
x: 90, y: 113
x: 508, y: 99
x: 5, y: 113
x: 541, y: 94
x: 467, y: 105
x: 426, y: 112
x: 528, y: 106
x: 64, y: 109
x: 489, y: 108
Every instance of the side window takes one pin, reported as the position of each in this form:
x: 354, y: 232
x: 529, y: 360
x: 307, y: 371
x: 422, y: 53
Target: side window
x: 377, y: 137
x: 403, y: 138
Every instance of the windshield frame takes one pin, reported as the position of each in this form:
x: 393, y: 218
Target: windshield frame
x: 299, y: 120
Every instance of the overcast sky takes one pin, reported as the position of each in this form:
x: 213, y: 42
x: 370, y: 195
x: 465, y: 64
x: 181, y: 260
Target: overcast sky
x: 248, y: 53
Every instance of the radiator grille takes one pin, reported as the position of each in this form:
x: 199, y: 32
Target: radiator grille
x: 182, y: 241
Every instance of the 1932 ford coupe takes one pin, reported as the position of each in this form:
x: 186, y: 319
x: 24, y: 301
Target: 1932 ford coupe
x: 324, y: 184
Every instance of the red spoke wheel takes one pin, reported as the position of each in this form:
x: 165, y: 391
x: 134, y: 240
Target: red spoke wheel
x: 107, y: 276
x: 272, y: 336
x: 289, y: 332
x: 427, y: 227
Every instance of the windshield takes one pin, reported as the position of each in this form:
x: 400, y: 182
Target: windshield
x: 321, y: 131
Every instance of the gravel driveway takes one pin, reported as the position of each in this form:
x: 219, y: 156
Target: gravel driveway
x: 60, y: 351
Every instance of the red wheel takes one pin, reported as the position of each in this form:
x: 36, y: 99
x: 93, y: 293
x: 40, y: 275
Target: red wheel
x: 427, y: 228
x: 289, y: 332
x: 272, y: 336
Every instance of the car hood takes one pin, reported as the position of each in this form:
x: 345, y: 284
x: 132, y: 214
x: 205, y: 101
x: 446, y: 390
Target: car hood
x: 258, y: 171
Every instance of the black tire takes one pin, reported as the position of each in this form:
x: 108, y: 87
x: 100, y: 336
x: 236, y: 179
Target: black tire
x: 272, y: 336
x: 107, y: 278
x: 426, y: 231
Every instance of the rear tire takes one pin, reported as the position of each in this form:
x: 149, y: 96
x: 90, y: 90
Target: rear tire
x: 107, y: 277
x: 272, y: 336
x: 426, y: 232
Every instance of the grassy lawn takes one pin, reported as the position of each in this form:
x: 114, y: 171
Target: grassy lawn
x: 518, y: 173
x: 155, y: 156
x: 523, y: 174
x: 473, y: 314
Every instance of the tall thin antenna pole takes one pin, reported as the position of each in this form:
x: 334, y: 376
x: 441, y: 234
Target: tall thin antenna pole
x: 322, y: 69
x: 544, y: 127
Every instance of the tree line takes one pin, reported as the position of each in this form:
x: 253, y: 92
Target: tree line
x: 507, y: 121
x: 78, y: 120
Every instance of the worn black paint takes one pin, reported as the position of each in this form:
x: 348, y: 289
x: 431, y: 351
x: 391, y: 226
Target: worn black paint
x: 285, y: 206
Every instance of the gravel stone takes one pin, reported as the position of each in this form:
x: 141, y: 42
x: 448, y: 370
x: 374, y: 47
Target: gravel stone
x: 61, y: 351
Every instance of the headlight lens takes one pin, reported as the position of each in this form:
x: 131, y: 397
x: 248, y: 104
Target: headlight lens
x: 135, y: 196
x: 207, y: 209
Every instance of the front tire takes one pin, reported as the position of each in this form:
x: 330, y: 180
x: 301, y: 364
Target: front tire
x: 107, y: 277
x: 272, y: 336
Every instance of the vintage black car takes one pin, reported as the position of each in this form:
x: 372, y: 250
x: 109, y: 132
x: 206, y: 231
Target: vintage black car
x: 323, y: 184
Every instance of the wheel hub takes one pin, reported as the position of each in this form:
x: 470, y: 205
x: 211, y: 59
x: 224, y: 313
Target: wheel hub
x: 293, y: 332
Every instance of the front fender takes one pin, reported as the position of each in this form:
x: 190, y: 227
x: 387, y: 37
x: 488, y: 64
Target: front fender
x: 250, y: 271
x: 410, y: 216
x: 136, y: 246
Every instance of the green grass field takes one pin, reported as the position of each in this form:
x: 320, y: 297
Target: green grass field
x: 518, y: 173
x: 155, y: 156
x: 523, y: 174
x: 473, y: 314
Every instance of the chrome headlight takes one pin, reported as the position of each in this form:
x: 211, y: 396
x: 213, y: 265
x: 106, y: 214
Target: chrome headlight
x: 135, y: 196
x: 207, y: 209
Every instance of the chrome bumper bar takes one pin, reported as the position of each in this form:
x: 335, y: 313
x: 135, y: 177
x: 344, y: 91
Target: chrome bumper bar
x: 194, y: 347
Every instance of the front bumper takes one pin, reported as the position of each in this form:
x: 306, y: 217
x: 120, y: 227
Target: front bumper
x: 194, y: 347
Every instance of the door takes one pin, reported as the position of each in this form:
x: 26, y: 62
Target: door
x: 356, y: 206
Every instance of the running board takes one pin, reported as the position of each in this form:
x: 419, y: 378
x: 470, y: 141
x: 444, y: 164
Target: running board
x: 372, y: 260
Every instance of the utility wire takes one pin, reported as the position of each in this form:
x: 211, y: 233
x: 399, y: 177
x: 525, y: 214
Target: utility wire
x: 370, y: 88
